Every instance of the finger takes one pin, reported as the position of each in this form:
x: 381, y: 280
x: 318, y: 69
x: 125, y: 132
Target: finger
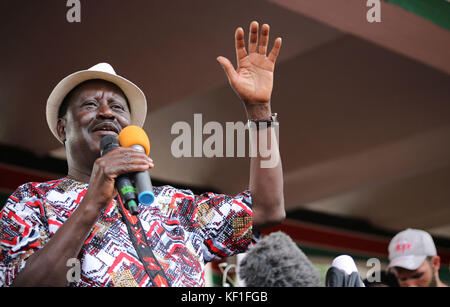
x: 228, y: 67
x: 253, y: 37
x: 130, y: 164
x: 275, y: 50
x: 240, y: 44
x: 117, y: 170
x: 127, y: 156
x: 264, y: 39
x: 132, y: 152
x: 112, y: 169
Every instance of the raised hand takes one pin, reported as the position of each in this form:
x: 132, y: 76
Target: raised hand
x: 253, y: 79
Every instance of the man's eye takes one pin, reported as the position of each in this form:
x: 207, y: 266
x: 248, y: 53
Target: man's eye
x: 117, y: 106
x: 89, y: 103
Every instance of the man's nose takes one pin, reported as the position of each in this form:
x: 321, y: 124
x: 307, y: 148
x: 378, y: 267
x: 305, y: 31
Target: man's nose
x: 105, y: 111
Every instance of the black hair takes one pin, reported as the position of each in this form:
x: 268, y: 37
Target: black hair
x: 65, y: 103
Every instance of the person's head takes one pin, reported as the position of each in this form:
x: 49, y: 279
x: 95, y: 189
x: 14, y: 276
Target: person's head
x: 413, y: 259
x: 91, y: 110
x: 91, y: 103
x: 426, y: 275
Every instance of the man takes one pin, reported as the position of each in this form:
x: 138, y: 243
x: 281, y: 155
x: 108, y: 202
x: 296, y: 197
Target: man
x: 414, y: 259
x: 46, y: 228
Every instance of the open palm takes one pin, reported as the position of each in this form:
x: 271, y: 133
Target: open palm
x: 253, y: 78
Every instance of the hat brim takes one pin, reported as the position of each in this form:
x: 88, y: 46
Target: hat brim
x: 407, y: 262
x: 135, y: 96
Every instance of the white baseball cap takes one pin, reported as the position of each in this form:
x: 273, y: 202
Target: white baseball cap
x: 409, y: 249
x: 103, y: 71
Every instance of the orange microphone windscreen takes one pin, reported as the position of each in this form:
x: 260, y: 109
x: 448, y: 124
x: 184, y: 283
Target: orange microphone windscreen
x: 134, y: 135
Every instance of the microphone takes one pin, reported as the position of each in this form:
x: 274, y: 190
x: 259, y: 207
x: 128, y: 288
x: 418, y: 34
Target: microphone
x: 123, y: 182
x: 276, y: 261
x: 343, y: 273
x: 135, y: 137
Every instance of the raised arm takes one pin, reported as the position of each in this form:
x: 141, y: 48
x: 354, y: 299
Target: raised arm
x: 253, y: 83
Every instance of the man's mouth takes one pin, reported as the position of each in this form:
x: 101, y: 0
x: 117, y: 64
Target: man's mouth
x: 106, y: 128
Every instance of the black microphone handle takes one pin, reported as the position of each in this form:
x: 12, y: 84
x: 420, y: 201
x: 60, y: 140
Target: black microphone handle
x: 108, y: 143
x: 127, y: 193
x: 123, y: 183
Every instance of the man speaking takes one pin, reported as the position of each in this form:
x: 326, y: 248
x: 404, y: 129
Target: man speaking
x: 81, y: 218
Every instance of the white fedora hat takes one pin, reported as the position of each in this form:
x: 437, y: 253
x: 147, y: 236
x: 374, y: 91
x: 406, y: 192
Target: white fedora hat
x: 103, y: 71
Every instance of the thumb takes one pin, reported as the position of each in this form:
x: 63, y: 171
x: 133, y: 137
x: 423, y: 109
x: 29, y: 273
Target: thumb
x: 227, y: 66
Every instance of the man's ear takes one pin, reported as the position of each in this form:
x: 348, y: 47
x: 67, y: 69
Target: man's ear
x: 436, y: 261
x: 61, y: 129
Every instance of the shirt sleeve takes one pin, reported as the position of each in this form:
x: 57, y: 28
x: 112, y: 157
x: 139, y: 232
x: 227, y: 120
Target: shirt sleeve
x: 224, y: 222
x: 22, y: 231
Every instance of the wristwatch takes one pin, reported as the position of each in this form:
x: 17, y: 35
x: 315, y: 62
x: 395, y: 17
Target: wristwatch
x: 271, y: 121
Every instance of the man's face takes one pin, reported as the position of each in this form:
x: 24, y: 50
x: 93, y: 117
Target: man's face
x: 424, y: 276
x: 96, y: 108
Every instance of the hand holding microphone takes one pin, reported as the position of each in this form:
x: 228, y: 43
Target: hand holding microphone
x: 141, y: 191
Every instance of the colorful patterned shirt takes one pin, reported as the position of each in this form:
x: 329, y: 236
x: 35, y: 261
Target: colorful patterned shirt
x: 184, y: 230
